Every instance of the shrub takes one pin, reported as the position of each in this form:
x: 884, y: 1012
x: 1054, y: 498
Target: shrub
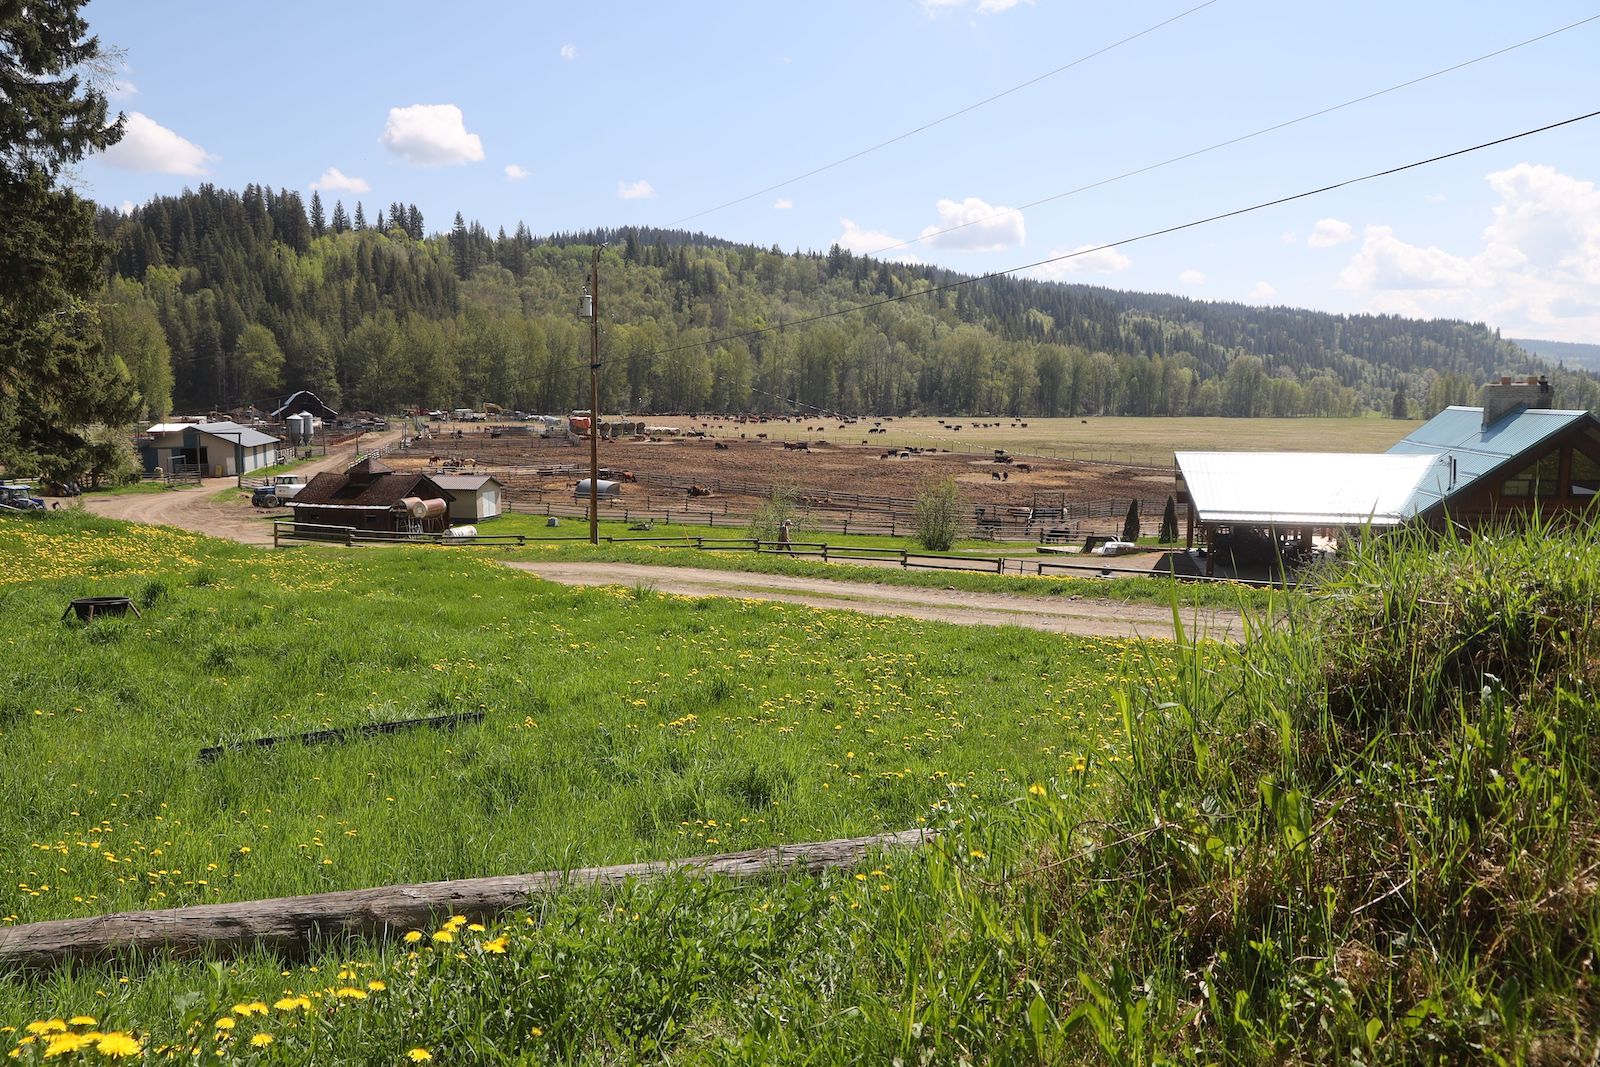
x: 782, y: 506
x: 938, y: 515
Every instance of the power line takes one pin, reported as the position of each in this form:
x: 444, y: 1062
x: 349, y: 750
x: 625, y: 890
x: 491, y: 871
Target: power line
x: 946, y: 118
x: 1234, y: 140
x: 1162, y: 232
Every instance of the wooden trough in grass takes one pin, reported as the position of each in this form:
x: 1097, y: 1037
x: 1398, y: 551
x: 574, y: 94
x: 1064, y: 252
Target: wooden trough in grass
x: 291, y: 924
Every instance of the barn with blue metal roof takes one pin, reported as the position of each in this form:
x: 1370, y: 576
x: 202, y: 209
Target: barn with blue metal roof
x: 1513, y: 455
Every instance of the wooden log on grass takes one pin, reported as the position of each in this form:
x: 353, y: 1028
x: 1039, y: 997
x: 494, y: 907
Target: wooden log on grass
x: 290, y: 924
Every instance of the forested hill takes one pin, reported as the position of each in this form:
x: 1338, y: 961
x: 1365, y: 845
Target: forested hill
x: 216, y: 299
x: 1568, y: 353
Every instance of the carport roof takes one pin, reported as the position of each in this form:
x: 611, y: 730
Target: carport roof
x: 1303, y: 488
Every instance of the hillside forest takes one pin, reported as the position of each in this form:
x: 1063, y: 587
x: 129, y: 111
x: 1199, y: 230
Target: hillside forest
x: 216, y: 300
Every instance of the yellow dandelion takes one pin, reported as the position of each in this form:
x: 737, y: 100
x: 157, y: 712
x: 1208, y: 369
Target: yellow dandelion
x: 376, y: 986
x: 350, y: 993
x: 413, y: 937
x: 420, y: 1055
x: 117, y: 1045
x: 444, y: 936
x: 497, y: 946
x: 1036, y: 789
x: 255, y: 1007
x: 47, y: 1026
x: 261, y: 1040
x: 82, y: 1020
x: 63, y: 1044
x: 226, y: 1023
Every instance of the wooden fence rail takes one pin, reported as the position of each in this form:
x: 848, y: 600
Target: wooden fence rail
x: 290, y: 924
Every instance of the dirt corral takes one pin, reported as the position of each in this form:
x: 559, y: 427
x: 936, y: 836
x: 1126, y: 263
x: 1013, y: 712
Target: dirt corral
x: 741, y: 464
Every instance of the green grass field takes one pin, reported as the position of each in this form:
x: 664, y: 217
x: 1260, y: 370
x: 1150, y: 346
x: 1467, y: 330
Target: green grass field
x: 1334, y: 846
x: 621, y: 724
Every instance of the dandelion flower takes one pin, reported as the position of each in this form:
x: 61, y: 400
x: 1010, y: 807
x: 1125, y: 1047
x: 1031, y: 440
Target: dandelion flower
x: 420, y: 1055
x: 350, y: 993
x: 444, y: 936
x: 261, y: 1040
x: 1036, y: 789
x: 226, y: 1023
x: 82, y: 1020
x: 62, y: 1044
x: 117, y: 1045
x: 413, y: 937
x: 47, y: 1026
x: 497, y: 946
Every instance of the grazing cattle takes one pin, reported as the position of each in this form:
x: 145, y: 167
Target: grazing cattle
x: 719, y: 446
x: 762, y: 436
x: 1024, y: 466
x: 699, y: 490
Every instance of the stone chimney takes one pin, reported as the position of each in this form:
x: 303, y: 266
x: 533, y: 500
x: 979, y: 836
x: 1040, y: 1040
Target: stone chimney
x: 1508, y: 394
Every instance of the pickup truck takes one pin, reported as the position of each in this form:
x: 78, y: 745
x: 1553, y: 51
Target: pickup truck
x: 277, y: 490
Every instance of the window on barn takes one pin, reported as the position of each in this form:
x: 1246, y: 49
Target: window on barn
x: 1540, y: 479
x: 1585, y: 475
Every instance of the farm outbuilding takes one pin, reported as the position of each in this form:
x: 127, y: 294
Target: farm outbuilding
x: 214, y: 449
x: 373, y: 497
x: 304, y: 401
x: 474, y: 497
x: 1512, y: 455
x: 604, y: 489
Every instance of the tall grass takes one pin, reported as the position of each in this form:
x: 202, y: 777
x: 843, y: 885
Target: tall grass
x: 1327, y: 846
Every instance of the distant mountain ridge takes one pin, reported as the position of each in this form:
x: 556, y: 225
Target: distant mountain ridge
x: 244, y: 297
x: 1570, y: 353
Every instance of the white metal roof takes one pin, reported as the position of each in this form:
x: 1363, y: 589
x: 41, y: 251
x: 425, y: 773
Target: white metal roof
x: 468, y: 482
x: 1302, y: 488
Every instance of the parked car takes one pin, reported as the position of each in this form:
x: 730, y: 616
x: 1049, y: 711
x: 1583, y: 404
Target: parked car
x: 277, y: 491
x: 19, y: 497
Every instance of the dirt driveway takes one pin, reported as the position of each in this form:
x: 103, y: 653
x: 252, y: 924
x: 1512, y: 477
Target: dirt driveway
x: 194, y: 508
x: 1084, y: 618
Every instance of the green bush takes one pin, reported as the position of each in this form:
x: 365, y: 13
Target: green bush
x: 938, y: 514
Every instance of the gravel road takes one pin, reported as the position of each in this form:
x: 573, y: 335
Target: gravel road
x: 1084, y: 617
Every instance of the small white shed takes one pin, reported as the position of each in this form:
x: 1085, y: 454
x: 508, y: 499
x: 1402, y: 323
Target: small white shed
x: 473, y: 497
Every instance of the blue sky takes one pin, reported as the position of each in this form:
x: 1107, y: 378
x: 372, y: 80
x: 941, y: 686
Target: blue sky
x: 568, y: 116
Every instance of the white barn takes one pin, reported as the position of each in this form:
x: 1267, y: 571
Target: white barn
x: 473, y: 497
x: 215, y: 449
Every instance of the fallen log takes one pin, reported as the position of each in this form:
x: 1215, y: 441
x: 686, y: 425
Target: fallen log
x: 290, y: 924
x: 345, y: 733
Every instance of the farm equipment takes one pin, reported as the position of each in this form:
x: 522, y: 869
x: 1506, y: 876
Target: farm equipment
x: 276, y: 491
x: 19, y: 497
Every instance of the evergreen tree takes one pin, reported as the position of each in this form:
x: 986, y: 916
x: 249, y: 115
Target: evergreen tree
x: 1399, y: 408
x: 340, y: 223
x: 56, y: 379
x: 1169, y: 522
x: 319, y: 225
x: 413, y: 223
x: 1130, y: 525
x: 360, y: 222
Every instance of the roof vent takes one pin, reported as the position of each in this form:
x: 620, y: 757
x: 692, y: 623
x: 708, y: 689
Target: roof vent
x: 1509, y: 394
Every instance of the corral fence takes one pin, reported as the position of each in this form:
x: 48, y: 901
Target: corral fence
x: 286, y: 531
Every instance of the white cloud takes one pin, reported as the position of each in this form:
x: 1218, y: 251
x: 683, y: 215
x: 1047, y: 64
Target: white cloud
x: 982, y: 7
x: 431, y: 135
x: 333, y: 179
x: 150, y: 147
x: 783, y: 203
x: 127, y: 207
x: 1329, y: 232
x: 639, y: 190
x: 869, y: 242
x: 1289, y: 237
x: 1081, y: 260
x: 1263, y: 292
x: 1192, y: 277
x: 515, y: 172
x: 1535, y: 275
x: 569, y: 51
x: 976, y: 226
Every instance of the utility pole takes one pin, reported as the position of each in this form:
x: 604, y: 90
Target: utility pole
x: 589, y: 308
